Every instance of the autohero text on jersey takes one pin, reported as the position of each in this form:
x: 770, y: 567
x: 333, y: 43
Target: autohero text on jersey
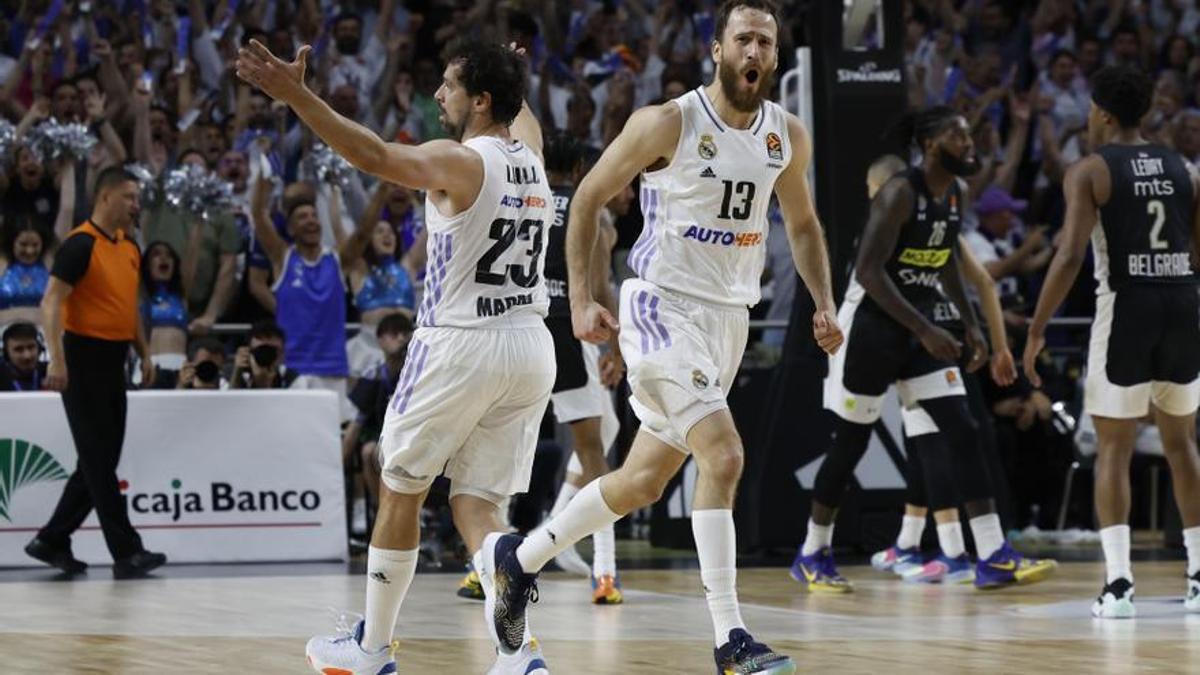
x: 717, y: 237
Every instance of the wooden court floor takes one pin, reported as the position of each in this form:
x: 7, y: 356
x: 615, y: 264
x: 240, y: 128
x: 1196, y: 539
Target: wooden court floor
x: 259, y: 625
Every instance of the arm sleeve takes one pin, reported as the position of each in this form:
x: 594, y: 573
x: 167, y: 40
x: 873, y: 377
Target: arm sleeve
x: 71, y: 260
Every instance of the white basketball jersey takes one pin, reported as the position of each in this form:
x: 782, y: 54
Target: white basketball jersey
x: 485, y: 267
x: 705, y: 213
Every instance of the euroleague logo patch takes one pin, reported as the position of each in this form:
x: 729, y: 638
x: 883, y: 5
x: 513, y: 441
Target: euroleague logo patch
x: 699, y: 379
x: 952, y: 377
x: 774, y: 147
x: 707, y: 148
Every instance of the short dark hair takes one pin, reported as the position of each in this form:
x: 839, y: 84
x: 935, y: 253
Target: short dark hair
x: 1123, y: 92
x: 21, y: 330
x: 395, y: 323
x: 112, y: 177
x: 266, y: 329
x: 563, y: 152
x: 727, y: 8
x: 492, y: 68
x: 208, y: 343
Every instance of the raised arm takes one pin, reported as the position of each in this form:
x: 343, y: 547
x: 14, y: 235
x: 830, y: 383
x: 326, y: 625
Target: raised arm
x: 264, y: 230
x: 527, y: 129
x: 806, y: 237
x: 650, y: 136
x: 351, y: 249
x: 440, y: 165
x: 1080, y: 220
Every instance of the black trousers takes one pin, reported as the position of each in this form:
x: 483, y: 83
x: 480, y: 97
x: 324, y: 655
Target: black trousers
x: 96, y: 406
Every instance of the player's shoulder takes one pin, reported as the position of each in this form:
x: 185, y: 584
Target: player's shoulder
x: 1087, y: 169
x: 897, y: 193
x: 657, y: 118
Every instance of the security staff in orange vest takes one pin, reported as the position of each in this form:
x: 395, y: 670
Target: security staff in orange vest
x: 90, y: 315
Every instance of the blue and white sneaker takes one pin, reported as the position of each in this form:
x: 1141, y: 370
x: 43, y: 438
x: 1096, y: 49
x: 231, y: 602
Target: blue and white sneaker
x: 897, y: 560
x: 527, y: 660
x: 943, y: 569
x: 342, y: 653
x: 512, y: 590
x: 1115, y: 601
x: 742, y: 655
x: 1006, y: 567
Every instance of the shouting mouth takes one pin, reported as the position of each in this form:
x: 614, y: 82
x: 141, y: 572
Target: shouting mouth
x: 752, y: 76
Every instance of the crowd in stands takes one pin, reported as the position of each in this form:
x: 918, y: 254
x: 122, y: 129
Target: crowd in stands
x: 298, y: 257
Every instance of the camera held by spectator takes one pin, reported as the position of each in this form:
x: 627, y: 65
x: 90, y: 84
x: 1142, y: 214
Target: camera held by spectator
x: 206, y: 361
x: 259, y: 364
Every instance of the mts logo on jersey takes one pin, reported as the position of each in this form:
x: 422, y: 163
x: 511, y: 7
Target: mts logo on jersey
x: 711, y: 235
x: 924, y: 257
x: 1150, y: 168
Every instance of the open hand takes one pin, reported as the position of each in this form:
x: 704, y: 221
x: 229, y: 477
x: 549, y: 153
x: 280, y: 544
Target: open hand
x: 278, y: 79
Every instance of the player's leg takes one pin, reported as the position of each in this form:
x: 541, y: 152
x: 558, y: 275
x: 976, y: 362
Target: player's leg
x: 943, y: 397
x: 951, y: 564
x: 859, y: 376
x: 1177, y: 360
x: 1179, y: 445
x: 904, y: 556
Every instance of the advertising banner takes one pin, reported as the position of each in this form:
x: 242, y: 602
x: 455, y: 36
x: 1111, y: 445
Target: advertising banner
x: 208, y: 476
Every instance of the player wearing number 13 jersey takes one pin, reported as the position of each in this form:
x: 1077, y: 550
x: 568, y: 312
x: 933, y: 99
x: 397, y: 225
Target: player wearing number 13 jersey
x: 1137, y: 202
x: 477, y: 379
x: 709, y: 161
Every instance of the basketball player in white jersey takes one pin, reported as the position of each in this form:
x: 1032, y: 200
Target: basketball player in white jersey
x: 709, y: 161
x: 473, y: 391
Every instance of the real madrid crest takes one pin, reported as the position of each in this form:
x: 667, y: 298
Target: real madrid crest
x: 698, y: 378
x: 707, y: 148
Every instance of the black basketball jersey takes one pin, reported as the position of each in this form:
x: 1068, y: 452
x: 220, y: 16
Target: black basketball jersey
x: 556, y: 252
x: 925, y: 243
x: 1145, y: 233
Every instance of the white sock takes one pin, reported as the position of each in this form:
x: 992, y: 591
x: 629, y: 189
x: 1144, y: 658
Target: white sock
x: 716, y: 545
x: 389, y: 574
x: 587, y: 513
x: 565, y: 494
x: 911, y: 530
x: 989, y: 537
x: 1115, y: 541
x: 604, y: 557
x: 1191, y: 540
x: 950, y: 538
x: 818, y: 537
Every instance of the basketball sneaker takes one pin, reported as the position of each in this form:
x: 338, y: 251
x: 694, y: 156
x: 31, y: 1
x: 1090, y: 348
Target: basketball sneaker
x: 1115, y: 601
x: 1006, y: 567
x: 819, y: 572
x: 743, y: 655
x: 527, y: 660
x: 1191, y: 601
x: 570, y: 561
x: 512, y: 590
x: 342, y: 653
x: 943, y: 569
x: 898, y: 560
x: 470, y: 587
x: 606, y: 590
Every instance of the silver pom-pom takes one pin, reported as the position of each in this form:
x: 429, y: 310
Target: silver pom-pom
x: 52, y: 140
x: 146, y: 181
x: 8, y: 139
x: 326, y: 166
x: 196, y: 191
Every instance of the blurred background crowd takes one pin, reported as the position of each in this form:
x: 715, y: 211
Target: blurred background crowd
x: 152, y: 82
